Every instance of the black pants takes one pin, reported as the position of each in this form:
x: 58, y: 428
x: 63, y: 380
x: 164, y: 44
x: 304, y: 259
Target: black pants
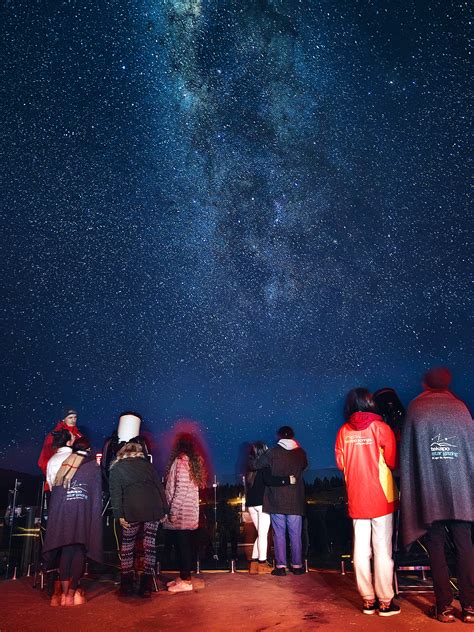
x: 184, y: 549
x: 71, y: 564
x: 435, y: 542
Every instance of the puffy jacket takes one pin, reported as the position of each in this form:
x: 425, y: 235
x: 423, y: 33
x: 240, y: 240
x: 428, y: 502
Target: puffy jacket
x: 366, y: 451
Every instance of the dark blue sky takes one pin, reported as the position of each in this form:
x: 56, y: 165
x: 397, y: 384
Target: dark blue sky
x: 232, y: 212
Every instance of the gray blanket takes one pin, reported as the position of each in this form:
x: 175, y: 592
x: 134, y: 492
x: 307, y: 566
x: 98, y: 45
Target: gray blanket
x: 436, y: 463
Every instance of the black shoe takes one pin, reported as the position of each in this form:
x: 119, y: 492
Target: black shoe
x: 467, y: 615
x: 388, y: 609
x: 126, y: 584
x: 299, y: 570
x: 444, y: 615
x: 279, y: 572
x: 146, y: 585
x: 370, y: 606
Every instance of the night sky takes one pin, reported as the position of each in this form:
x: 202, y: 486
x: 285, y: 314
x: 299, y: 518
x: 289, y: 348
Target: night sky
x: 230, y: 211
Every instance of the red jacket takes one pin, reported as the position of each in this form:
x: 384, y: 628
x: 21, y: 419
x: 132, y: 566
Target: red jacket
x: 366, y: 451
x: 47, y: 450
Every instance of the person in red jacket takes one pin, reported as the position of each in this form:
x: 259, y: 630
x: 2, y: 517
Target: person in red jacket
x: 68, y: 422
x: 366, y: 451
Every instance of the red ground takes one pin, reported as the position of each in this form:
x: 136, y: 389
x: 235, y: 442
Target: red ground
x: 221, y: 602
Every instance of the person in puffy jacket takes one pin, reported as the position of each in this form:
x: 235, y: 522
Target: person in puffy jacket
x: 366, y: 451
x: 186, y: 474
x: 138, y: 498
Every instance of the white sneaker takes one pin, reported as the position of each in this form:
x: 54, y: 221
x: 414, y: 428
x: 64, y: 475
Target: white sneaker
x: 182, y: 586
x: 174, y: 582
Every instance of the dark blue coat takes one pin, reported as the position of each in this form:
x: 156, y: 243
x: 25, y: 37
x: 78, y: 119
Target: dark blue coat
x: 75, y: 514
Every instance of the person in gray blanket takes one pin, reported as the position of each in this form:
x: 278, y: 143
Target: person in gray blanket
x: 138, y: 499
x: 437, y: 487
x: 74, y: 529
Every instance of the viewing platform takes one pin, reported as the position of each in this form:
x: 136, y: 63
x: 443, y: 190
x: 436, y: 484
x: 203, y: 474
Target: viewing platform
x: 220, y: 602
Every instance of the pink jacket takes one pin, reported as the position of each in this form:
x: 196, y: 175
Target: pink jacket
x: 182, y: 495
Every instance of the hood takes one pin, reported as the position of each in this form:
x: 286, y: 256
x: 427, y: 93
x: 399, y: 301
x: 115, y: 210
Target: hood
x: 288, y: 444
x: 361, y: 421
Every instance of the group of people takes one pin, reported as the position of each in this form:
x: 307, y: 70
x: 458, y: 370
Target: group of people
x: 434, y: 461
x: 139, y: 502
x: 430, y: 455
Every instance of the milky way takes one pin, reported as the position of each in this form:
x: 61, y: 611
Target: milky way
x: 229, y: 211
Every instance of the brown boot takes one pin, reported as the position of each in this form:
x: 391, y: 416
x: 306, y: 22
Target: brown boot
x: 253, y: 567
x: 56, y: 596
x: 264, y: 568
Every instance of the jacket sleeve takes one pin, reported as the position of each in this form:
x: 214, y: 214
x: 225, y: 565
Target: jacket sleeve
x: 170, y: 489
x: 305, y: 463
x: 46, y: 453
x: 388, y: 443
x: 115, y: 487
x: 161, y: 491
x: 339, y: 451
x: 274, y: 481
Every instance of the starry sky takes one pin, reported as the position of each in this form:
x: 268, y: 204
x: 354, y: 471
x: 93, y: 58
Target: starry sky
x: 230, y: 212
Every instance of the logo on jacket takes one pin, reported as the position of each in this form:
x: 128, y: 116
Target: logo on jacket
x: 442, y: 448
x: 355, y: 437
x: 77, y: 491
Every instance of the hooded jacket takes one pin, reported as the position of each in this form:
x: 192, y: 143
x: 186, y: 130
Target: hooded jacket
x: 437, y: 463
x: 366, y: 451
x: 284, y: 459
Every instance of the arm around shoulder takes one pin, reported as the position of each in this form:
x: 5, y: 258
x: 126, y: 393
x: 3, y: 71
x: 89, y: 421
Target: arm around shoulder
x: 274, y: 481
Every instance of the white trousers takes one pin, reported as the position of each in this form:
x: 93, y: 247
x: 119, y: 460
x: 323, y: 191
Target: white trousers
x: 373, y: 537
x: 261, y: 521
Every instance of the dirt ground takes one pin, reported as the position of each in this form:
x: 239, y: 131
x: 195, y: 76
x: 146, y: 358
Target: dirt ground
x: 319, y: 600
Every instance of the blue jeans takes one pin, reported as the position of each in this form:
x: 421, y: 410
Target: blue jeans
x: 280, y: 522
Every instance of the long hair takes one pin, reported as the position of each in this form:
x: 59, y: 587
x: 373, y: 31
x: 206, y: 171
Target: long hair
x: 358, y: 400
x: 128, y: 451
x: 186, y: 443
x: 256, y: 449
x: 61, y: 438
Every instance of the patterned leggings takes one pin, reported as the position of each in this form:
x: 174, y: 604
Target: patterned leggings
x: 127, y: 549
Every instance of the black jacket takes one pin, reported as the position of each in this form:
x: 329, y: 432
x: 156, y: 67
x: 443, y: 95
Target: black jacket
x: 289, y: 500
x: 136, y: 491
x: 255, y: 491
